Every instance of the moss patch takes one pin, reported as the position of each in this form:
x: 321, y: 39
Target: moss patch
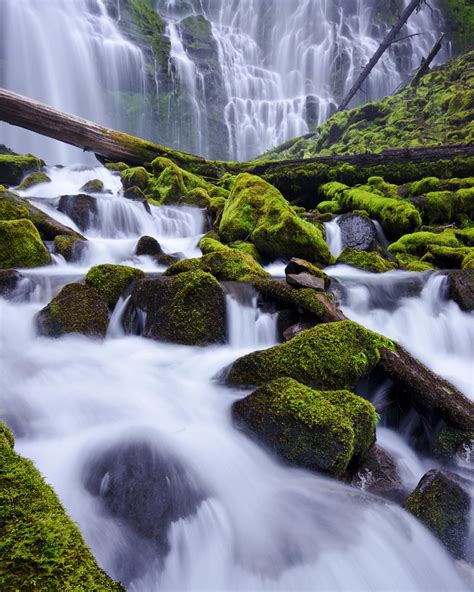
x: 21, y: 245
x: 110, y: 281
x: 13, y: 167
x: 364, y: 260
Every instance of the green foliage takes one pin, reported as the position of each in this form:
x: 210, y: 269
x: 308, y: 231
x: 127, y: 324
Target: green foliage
x: 110, y: 281
x: 21, y: 245
x: 41, y: 548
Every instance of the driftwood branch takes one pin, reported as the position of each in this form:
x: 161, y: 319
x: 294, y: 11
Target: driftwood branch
x: 425, y: 62
x: 389, y: 39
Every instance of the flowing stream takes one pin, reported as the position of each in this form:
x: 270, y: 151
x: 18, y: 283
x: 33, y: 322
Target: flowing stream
x: 252, y: 523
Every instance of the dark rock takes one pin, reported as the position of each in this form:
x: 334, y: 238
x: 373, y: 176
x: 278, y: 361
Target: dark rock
x: 358, y: 232
x: 80, y: 208
x: 297, y: 266
x: 461, y: 288
x: 378, y: 475
x: 69, y: 247
x: 441, y: 502
x: 14, y: 167
x: 9, y: 280
x: 188, y: 308
x: 147, y: 488
x: 76, y: 309
x: 452, y: 443
x: 295, y: 330
x: 147, y: 245
x: 305, y: 280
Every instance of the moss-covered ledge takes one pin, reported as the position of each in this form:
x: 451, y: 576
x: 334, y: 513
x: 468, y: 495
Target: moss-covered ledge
x: 41, y: 548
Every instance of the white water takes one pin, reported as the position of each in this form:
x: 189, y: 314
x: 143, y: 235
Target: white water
x: 69, y: 55
x: 334, y: 237
x: 431, y: 327
x: 279, y: 56
x: 261, y: 525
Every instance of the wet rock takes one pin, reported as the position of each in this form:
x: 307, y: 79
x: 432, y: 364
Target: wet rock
x: 452, y: 443
x: 69, y: 246
x: 461, y: 288
x: 9, y: 280
x: 93, y: 186
x: 295, y: 330
x: 14, y: 167
x: 297, y: 266
x: 188, y: 308
x: 358, y: 232
x: 379, y: 475
x: 147, y: 245
x: 34, y: 179
x: 147, y: 488
x: 321, y: 431
x: 76, y: 309
x: 442, y: 503
x: 111, y: 281
x: 80, y: 208
x: 305, y: 280
x: 21, y: 245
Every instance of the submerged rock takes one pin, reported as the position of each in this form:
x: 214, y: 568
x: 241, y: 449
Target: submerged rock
x: 188, y: 308
x: 42, y: 548
x: 147, y: 245
x: 322, y: 431
x: 21, y: 245
x: 441, y: 502
x: 111, y: 281
x: 76, y: 309
x: 80, y: 208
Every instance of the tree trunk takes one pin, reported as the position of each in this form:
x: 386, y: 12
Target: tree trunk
x: 425, y: 63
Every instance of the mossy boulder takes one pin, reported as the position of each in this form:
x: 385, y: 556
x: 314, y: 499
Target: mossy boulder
x: 370, y: 261
x: 257, y: 212
x: 397, y: 216
x: 225, y: 264
x: 420, y: 243
x: 21, y: 245
x: 452, y: 442
x: 76, y: 309
x: 188, y: 308
x: 329, y: 356
x: 412, y: 263
x: 442, y: 503
x: 135, y: 177
x: 41, y: 547
x: 13, y: 167
x: 34, y: 179
x: 68, y: 246
x: 318, y: 430
x: 93, y: 186
x: 12, y: 206
x: 111, y: 281
x: 441, y: 207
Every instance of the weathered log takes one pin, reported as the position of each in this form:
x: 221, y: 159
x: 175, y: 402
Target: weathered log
x: 425, y: 62
x: 386, y: 43
x: 425, y: 390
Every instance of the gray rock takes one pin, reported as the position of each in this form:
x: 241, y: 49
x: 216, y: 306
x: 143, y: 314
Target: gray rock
x: 80, y: 208
x: 378, y: 475
x: 461, y: 288
x: 305, y: 280
x: 358, y: 232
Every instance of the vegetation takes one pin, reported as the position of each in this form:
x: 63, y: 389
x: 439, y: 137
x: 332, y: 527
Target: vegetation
x: 110, y: 281
x: 21, y: 245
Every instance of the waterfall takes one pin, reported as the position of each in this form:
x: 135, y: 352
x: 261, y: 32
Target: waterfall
x: 334, y: 237
x: 69, y: 55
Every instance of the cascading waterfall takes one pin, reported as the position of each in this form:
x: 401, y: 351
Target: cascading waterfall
x: 285, y: 64
x: 69, y: 55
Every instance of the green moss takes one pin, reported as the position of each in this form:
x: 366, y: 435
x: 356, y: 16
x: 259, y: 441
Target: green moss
x: 41, y: 548
x: 255, y: 211
x: 412, y: 263
x: 459, y: 17
x: 21, y: 245
x: 135, y: 177
x: 419, y: 243
x: 64, y: 245
x: 329, y: 207
x: 34, y: 179
x: 13, y: 167
x: 424, y: 186
x: 153, y: 29
x: 93, y: 186
x: 247, y: 248
x: 364, y: 260
x: 468, y: 261
x: 329, y: 356
x: 441, y: 207
x: 110, y: 281
x: 210, y: 243
x: 11, y: 206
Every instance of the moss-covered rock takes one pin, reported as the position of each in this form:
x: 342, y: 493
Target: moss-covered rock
x: 76, y: 309
x: 93, y: 186
x: 443, y: 505
x: 21, y: 245
x: 110, y: 281
x: 34, y: 179
x: 12, y: 206
x: 329, y: 356
x: 364, y: 260
x: 396, y: 216
x: 257, y: 212
x: 188, y: 308
x: 13, y: 167
x: 67, y: 246
x: 452, y: 442
x: 420, y: 243
x: 412, y: 263
x: 41, y: 548
x: 135, y: 177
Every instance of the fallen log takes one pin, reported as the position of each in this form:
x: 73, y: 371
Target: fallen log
x: 386, y: 43
x: 425, y: 62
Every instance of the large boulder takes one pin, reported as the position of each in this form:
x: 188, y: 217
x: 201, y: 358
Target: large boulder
x: 257, y: 211
x: 322, y: 431
x: 13, y: 167
x: 188, y: 308
x: 146, y: 488
x: 329, y: 356
x: 76, y: 309
x: 111, y: 281
x: 358, y: 232
x: 21, y: 245
x: 42, y: 548
x: 442, y: 503
x: 461, y: 288
x: 80, y: 208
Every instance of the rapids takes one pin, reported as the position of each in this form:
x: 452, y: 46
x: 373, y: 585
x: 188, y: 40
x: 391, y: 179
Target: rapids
x: 258, y: 524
